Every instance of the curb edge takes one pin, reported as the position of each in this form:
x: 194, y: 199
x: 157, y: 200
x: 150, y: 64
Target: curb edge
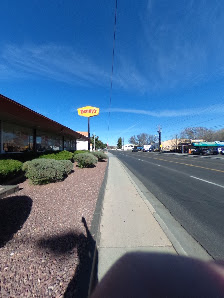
x: 94, y: 229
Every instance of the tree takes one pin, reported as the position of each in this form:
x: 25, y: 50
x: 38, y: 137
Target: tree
x: 133, y: 140
x: 219, y: 135
x: 193, y: 133
x: 119, y: 143
x: 98, y: 144
x: 142, y: 139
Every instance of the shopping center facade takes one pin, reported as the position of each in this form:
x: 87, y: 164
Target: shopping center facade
x: 22, y: 130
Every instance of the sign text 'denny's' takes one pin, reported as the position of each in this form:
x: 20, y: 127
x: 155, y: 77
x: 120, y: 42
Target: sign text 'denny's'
x: 88, y: 111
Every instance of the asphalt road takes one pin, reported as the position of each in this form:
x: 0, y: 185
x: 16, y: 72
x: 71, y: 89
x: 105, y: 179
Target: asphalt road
x: 191, y: 188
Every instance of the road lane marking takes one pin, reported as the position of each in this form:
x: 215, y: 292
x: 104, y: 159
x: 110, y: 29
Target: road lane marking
x: 207, y: 181
x: 185, y: 164
x: 190, y: 165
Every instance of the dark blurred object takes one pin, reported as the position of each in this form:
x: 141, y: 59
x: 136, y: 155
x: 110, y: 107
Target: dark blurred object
x: 141, y: 274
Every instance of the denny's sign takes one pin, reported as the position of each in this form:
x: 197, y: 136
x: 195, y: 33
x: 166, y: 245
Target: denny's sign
x: 88, y: 111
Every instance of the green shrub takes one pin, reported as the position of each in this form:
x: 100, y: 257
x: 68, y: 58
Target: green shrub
x: 100, y: 155
x: 43, y: 171
x: 66, y: 165
x: 48, y: 156
x: 63, y: 155
x: 85, y: 160
x: 9, y: 168
x: 21, y: 156
x: 80, y: 151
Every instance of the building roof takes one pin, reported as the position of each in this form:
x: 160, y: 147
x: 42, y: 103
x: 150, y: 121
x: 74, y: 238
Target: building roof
x: 13, y: 112
x: 84, y: 133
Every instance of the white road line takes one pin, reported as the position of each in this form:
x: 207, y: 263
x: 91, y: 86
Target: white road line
x: 207, y: 181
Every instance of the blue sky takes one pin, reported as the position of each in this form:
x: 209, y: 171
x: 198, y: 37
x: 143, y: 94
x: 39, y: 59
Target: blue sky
x: 55, y: 56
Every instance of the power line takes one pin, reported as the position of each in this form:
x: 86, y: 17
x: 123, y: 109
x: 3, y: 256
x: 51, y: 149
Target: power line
x: 112, y: 66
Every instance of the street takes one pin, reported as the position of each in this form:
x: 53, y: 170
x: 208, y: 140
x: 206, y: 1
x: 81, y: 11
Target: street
x: 190, y: 187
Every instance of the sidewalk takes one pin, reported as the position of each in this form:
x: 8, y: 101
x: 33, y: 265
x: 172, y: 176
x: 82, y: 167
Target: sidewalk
x: 127, y: 220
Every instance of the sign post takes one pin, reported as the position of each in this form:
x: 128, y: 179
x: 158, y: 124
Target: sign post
x: 88, y: 135
x: 88, y: 111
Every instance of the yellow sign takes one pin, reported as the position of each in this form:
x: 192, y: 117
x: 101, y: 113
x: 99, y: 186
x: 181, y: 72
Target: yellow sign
x: 88, y: 111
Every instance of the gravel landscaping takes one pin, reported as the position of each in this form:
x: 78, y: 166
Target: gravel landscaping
x: 43, y: 238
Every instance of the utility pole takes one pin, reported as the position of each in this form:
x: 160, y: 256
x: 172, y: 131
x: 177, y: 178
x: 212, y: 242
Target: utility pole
x: 94, y: 147
x: 176, y: 143
x: 159, y: 132
x: 123, y: 143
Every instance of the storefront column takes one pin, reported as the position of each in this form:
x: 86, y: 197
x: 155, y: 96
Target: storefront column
x: 63, y: 143
x: 1, y: 137
x: 34, y: 140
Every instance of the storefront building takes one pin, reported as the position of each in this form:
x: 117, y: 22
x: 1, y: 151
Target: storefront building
x: 22, y: 130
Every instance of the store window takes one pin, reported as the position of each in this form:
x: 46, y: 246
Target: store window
x: 46, y: 141
x: 17, y: 138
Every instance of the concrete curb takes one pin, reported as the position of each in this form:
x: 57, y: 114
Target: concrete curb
x: 6, y: 190
x: 94, y: 230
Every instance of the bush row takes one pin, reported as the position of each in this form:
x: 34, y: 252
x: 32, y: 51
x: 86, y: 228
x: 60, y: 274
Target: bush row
x: 85, y: 160
x: 100, y: 155
x: 43, y: 171
x: 9, y: 168
x: 62, y: 155
x: 50, y: 167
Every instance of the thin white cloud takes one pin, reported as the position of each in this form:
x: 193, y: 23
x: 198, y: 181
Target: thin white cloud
x: 50, y: 61
x: 213, y: 109
x: 64, y: 64
x: 179, y: 44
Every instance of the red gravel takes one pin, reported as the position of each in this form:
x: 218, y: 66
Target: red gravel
x: 41, y: 258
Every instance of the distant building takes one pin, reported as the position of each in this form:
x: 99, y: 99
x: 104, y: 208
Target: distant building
x: 178, y: 145
x: 82, y: 144
x: 22, y: 130
x: 128, y: 147
x: 111, y: 147
x: 170, y: 145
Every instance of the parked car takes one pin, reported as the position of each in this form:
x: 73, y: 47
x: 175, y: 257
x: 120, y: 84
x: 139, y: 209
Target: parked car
x: 147, y: 148
x: 196, y: 151
x: 138, y: 148
x: 214, y: 151
x: 222, y: 152
x: 206, y: 151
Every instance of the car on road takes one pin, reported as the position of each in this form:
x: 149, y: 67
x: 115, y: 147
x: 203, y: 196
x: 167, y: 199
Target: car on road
x: 196, y: 151
x: 214, y: 151
x: 206, y: 151
x: 147, y: 150
x: 137, y: 148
